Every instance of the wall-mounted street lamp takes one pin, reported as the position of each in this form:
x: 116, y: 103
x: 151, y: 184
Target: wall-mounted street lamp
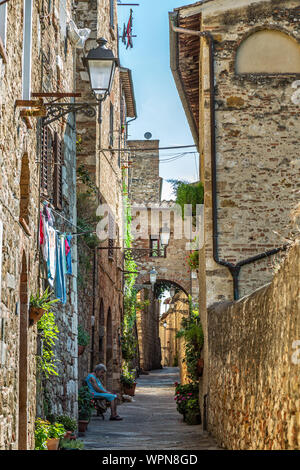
x: 153, y: 277
x: 101, y: 65
x: 165, y: 324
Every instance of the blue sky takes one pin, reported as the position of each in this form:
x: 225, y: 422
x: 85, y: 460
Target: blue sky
x: 158, y: 105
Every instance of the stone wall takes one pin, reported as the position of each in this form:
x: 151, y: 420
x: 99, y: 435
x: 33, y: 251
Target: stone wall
x: 253, y: 367
x: 22, y: 269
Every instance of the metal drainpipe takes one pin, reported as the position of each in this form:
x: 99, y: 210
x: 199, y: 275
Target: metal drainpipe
x: 233, y: 268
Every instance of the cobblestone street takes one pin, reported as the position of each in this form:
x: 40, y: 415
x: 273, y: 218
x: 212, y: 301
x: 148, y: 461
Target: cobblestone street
x: 150, y: 422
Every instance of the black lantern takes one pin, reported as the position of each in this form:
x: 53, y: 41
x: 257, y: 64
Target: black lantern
x: 101, y: 65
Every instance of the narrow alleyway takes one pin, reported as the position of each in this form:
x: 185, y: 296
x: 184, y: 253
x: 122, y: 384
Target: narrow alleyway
x: 150, y: 422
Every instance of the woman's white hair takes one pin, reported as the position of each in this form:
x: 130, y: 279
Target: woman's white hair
x: 100, y: 367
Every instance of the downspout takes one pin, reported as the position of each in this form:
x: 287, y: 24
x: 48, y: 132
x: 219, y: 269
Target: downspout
x: 233, y: 268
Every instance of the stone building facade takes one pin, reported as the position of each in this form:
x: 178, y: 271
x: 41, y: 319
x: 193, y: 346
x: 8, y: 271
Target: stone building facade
x: 236, y: 67
x: 101, y: 169
x: 29, y: 175
x: 149, y: 216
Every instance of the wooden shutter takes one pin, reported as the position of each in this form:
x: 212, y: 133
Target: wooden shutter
x: 46, y: 160
x: 57, y: 174
x: 111, y: 228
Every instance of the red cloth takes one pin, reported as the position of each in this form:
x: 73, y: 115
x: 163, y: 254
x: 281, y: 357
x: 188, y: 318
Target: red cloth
x: 41, y: 229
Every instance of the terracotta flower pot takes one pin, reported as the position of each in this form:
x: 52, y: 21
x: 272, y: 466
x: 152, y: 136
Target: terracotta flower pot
x: 35, y: 313
x: 129, y: 390
x: 68, y: 435
x: 52, y: 444
x: 192, y: 419
x: 82, y: 425
x: 80, y: 350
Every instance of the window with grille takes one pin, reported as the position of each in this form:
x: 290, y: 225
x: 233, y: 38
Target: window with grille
x: 156, y: 250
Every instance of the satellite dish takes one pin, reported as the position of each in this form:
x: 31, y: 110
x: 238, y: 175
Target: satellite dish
x: 148, y: 135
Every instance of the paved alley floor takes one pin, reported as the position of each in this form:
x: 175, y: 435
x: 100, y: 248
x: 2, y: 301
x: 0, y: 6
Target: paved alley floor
x: 150, y: 422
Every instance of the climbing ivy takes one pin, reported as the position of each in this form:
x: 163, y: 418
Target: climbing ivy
x: 191, y: 331
x: 47, y: 328
x: 129, y: 342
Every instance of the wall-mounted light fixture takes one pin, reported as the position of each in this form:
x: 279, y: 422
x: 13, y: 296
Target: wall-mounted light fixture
x: 153, y: 277
x: 101, y: 65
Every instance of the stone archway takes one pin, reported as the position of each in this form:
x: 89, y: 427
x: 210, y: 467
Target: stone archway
x: 23, y: 359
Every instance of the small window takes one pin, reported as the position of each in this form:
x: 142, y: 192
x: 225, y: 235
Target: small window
x: 268, y: 52
x: 156, y: 250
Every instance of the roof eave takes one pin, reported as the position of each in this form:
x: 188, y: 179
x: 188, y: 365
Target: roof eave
x: 173, y: 18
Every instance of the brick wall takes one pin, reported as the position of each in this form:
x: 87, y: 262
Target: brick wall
x: 253, y: 370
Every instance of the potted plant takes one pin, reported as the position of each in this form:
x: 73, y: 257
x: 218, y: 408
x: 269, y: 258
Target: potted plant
x: 47, y: 435
x: 128, y: 381
x: 192, y: 411
x: 40, y: 305
x: 76, y: 444
x: 69, y: 424
x: 184, y: 393
x: 56, y: 432
x: 85, y: 404
x: 83, y: 339
x: 41, y: 434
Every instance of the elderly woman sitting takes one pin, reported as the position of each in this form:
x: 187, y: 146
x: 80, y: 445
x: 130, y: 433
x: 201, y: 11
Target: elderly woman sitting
x: 93, y: 381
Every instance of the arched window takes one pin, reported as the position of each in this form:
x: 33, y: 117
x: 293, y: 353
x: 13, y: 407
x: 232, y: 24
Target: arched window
x: 268, y: 52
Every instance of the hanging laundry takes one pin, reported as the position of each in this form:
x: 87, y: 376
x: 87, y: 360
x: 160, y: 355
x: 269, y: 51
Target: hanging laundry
x: 60, y: 284
x: 45, y: 246
x: 52, y: 258
x: 68, y: 253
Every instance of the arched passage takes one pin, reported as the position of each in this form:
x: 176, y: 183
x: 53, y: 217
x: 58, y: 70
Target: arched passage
x: 23, y: 358
x: 148, y: 320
